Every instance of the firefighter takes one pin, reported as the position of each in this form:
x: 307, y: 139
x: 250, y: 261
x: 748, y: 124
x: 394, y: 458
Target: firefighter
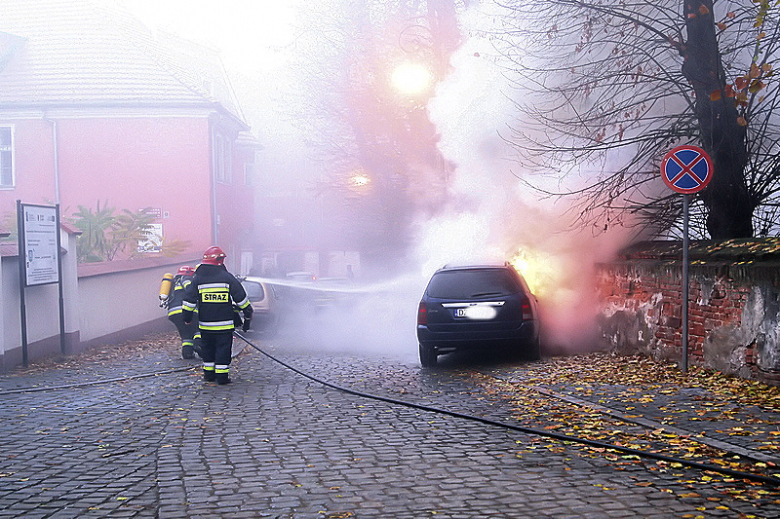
x: 181, y: 281
x: 213, y: 292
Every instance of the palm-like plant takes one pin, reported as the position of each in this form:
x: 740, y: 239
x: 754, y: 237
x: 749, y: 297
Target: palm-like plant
x: 128, y: 229
x: 93, y: 243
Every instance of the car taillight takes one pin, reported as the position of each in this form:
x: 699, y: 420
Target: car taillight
x: 528, y: 313
x: 422, y: 314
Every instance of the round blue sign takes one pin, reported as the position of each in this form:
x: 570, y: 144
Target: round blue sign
x: 686, y: 169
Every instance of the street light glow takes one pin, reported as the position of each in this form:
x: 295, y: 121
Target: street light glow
x: 360, y: 180
x: 411, y: 78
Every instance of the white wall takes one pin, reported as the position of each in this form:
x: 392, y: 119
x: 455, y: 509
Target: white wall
x: 119, y: 300
x: 42, y: 307
x: 103, y: 301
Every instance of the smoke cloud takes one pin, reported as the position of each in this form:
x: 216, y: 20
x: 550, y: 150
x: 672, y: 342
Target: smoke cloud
x: 492, y: 215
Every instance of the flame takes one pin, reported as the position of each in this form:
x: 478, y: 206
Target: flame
x: 543, y: 272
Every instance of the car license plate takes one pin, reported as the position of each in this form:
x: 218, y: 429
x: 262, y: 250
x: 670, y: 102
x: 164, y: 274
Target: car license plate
x: 480, y: 313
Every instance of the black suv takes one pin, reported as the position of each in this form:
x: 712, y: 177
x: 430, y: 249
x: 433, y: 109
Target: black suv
x: 477, y: 306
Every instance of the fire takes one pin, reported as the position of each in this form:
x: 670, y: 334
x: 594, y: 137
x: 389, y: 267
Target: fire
x: 543, y: 272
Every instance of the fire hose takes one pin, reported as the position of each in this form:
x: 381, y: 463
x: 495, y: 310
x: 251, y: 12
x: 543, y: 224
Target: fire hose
x: 769, y: 480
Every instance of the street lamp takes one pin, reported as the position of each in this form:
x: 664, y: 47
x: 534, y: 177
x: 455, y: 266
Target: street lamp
x: 411, y: 78
x: 359, y: 180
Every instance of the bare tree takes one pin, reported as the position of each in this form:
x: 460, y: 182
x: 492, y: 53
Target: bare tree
x: 359, y: 126
x: 607, y: 87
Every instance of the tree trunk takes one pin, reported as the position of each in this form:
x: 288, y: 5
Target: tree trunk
x: 728, y: 201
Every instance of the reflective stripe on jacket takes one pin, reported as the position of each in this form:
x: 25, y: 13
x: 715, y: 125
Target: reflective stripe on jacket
x: 213, y: 292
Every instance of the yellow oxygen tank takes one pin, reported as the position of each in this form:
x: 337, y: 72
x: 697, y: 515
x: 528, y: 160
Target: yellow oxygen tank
x: 165, y: 287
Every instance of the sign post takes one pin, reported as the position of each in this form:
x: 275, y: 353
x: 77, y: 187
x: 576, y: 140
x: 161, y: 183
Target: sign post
x: 686, y: 170
x: 39, y: 257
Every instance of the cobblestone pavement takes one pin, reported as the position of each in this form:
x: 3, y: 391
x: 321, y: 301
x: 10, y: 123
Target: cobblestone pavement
x: 277, y: 444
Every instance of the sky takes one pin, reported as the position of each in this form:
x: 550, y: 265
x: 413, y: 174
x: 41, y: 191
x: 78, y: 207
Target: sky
x: 249, y: 33
x: 251, y: 37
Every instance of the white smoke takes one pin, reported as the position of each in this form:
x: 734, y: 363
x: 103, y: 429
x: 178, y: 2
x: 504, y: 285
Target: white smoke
x: 493, y: 215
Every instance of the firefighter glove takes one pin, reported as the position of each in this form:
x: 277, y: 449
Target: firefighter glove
x: 245, y: 326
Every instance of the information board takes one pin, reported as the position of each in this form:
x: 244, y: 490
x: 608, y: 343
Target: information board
x: 39, y: 244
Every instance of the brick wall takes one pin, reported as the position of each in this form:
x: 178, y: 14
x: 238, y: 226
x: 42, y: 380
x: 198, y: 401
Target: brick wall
x: 734, y: 304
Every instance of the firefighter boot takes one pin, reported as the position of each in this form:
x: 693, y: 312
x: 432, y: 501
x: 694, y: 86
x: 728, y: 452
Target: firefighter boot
x: 187, y: 351
x: 223, y: 379
x: 196, y: 345
x: 208, y: 374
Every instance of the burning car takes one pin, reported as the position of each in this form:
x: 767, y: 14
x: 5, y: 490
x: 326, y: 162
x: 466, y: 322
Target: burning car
x: 477, y: 306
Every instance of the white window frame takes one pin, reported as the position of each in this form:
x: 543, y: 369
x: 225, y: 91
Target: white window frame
x: 219, y: 157
x: 250, y: 170
x: 223, y: 159
x: 228, y: 161
x: 11, y: 149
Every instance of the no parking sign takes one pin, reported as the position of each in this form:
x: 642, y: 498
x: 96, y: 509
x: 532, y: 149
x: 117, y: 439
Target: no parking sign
x: 686, y: 169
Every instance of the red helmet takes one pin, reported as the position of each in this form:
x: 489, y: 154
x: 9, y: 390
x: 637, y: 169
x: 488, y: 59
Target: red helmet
x: 185, y: 270
x: 214, y: 256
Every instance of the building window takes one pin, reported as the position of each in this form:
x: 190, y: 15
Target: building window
x: 6, y: 157
x: 223, y: 159
x: 249, y: 170
x: 219, y: 158
x: 228, y: 161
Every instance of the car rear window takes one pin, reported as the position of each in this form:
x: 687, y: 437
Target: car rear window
x: 468, y: 284
x: 254, y: 291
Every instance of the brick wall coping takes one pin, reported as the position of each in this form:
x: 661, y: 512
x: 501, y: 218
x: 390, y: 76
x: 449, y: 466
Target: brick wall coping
x: 726, y: 251
x: 109, y: 267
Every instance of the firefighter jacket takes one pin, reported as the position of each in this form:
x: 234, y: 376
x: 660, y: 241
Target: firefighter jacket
x: 180, y: 284
x: 213, y: 292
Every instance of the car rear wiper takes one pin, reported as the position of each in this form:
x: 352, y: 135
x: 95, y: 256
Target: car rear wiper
x: 483, y: 294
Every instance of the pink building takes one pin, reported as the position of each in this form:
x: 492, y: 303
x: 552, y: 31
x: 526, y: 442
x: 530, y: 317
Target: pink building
x: 94, y: 108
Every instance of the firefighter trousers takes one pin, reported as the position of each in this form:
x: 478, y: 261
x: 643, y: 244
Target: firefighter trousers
x: 186, y: 331
x: 216, y: 352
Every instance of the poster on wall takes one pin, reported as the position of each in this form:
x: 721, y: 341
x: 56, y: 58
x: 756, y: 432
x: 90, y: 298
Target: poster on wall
x: 153, y: 239
x: 38, y: 242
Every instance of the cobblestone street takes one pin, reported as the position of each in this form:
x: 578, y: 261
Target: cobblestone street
x: 276, y: 444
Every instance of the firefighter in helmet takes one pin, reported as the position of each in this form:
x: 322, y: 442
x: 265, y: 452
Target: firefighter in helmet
x: 214, y: 291
x: 180, y: 282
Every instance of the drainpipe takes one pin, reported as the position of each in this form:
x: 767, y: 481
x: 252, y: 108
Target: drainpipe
x: 56, y: 158
x: 212, y: 166
x: 60, y: 287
